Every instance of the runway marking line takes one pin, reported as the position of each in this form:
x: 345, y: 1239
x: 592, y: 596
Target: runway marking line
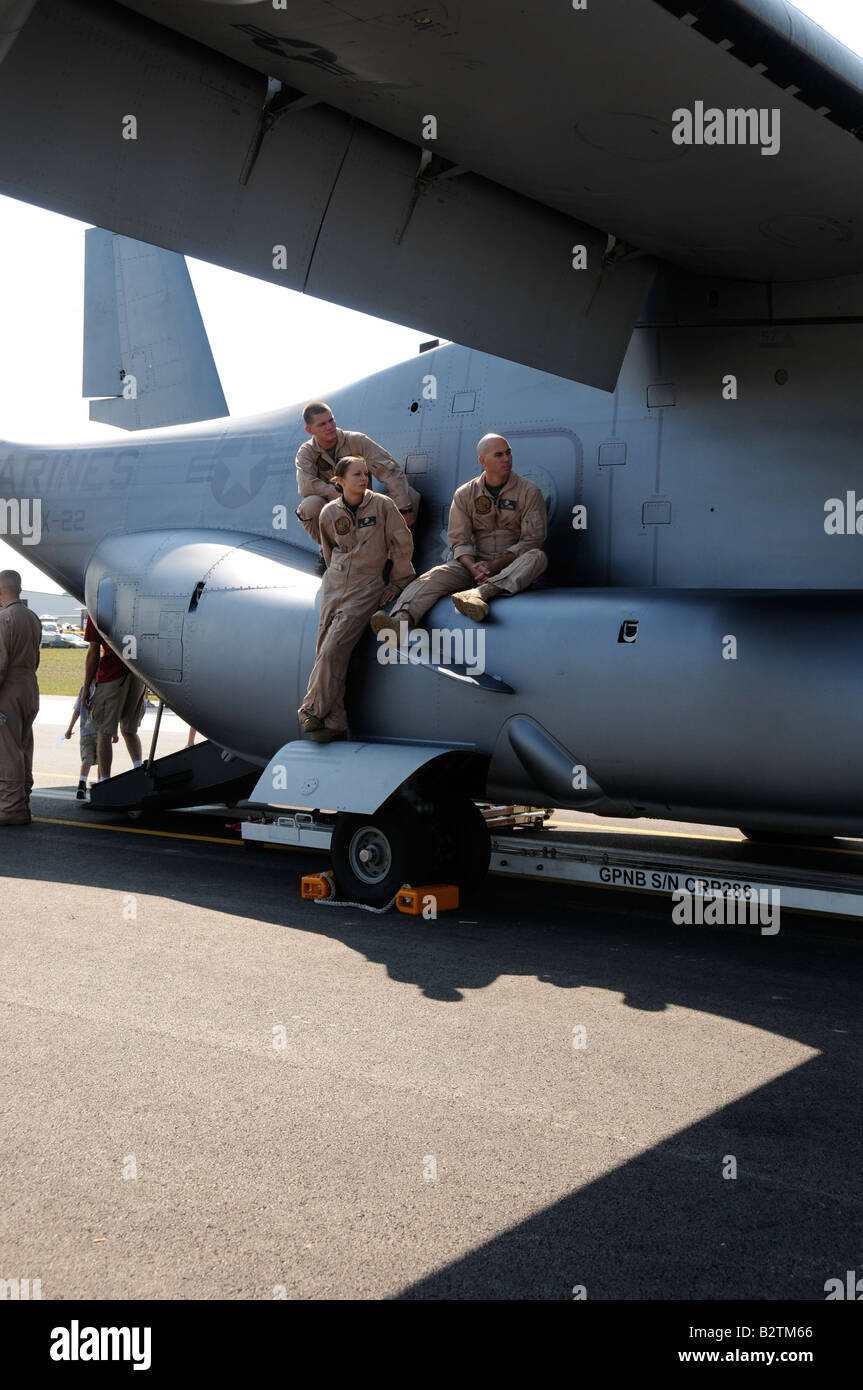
x: 569, y: 825
x: 134, y: 830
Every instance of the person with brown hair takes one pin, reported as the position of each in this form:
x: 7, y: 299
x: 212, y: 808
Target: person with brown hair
x: 360, y: 531
x: 317, y: 458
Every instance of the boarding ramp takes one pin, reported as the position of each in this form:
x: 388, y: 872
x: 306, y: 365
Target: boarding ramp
x: 200, y: 775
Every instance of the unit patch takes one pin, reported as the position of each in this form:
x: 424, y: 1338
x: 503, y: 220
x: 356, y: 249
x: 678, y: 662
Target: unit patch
x: 507, y: 504
x: 366, y: 521
x: 343, y: 525
x: 483, y: 504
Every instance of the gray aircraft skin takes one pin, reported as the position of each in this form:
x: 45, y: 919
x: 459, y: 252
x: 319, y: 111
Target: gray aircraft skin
x: 732, y: 697
x: 694, y: 648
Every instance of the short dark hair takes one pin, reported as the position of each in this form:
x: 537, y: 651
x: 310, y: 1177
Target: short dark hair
x: 312, y: 409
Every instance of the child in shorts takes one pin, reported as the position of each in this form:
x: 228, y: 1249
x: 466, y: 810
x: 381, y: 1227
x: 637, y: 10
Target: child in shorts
x: 88, y: 741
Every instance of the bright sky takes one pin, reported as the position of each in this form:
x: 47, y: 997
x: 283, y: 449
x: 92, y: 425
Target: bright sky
x: 842, y: 18
x: 271, y: 346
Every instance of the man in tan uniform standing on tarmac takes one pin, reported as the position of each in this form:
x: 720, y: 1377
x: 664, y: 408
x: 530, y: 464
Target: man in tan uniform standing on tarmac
x: 20, y: 637
x: 317, y: 458
x: 497, y: 527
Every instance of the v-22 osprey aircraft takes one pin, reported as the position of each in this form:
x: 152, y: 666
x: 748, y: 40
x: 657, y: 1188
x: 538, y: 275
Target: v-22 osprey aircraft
x: 694, y: 650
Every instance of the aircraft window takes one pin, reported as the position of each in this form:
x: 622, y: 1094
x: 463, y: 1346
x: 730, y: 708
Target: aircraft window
x: 655, y: 513
x: 463, y: 402
x: 613, y: 451
x: 415, y: 405
x: 417, y: 463
x: 662, y: 393
x: 105, y: 604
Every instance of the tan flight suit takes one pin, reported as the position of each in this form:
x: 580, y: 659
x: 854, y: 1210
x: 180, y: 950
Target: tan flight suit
x: 479, y: 525
x: 315, y: 468
x: 20, y: 635
x: 355, y: 549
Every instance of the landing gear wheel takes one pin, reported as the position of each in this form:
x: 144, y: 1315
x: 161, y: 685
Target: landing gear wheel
x: 374, y: 855
x: 463, y: 844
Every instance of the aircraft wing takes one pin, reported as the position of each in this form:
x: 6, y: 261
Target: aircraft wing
x: 441, y: 164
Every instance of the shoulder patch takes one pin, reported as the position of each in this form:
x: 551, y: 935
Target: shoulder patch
x: 482, y: 504
x: 343, y: 525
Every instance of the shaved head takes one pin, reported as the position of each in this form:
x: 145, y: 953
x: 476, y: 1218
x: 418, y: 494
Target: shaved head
x: 495, y: 457
x: 10, y: 580
x: 487, y: 443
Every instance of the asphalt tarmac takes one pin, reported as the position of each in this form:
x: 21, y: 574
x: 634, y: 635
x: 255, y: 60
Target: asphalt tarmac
x: 213, y: 1089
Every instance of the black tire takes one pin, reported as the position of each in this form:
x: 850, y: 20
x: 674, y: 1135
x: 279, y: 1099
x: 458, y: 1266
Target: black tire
x: 462, y: 844
x: 398, y: 847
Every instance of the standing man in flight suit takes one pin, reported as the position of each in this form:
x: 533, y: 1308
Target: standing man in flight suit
x: 317, y: 459
x: 497, y: 527
x: 20, y: 637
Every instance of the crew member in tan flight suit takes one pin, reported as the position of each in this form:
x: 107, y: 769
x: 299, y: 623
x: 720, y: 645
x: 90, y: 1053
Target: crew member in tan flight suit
x: 359, y: 533
x: 317, y: 459
x: 20, y: 637
x: 497, y: 526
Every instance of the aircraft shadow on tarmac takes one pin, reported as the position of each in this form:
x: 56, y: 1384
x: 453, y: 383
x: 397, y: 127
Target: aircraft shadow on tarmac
x: 663, y: 1224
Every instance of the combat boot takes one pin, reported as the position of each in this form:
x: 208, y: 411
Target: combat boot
x: 473, y: 603
x: 397, y: 623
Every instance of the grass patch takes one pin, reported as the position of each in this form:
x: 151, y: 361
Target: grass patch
x: 61, y: 670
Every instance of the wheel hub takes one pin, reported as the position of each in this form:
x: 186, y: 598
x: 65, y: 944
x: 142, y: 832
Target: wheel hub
x: 370, y: 854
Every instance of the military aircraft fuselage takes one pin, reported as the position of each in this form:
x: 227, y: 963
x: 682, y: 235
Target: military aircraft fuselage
x: 694, y: 648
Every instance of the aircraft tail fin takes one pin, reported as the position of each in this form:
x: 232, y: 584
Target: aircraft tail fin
x: 145, y: 346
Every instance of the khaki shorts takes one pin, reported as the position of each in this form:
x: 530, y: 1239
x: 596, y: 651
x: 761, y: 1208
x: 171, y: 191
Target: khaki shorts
x: 88, y: 748
x: 118, y: 702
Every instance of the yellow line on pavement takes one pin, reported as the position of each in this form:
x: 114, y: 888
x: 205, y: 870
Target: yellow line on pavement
x: 133, y: 830
x: 680, y: 835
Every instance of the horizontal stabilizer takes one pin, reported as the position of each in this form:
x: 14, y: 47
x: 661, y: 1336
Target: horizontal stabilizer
x: 145, y: 345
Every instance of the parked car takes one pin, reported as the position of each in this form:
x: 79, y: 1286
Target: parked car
x: 53, y: 637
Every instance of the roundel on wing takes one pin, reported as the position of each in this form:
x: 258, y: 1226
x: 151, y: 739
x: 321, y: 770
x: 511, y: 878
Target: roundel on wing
x: 238, y: 475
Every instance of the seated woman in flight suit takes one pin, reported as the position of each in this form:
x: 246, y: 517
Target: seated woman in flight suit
x: 360, y: 531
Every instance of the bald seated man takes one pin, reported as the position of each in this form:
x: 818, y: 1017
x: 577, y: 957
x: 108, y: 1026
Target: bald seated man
x: 497, y: 526
x: 20, y: 639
